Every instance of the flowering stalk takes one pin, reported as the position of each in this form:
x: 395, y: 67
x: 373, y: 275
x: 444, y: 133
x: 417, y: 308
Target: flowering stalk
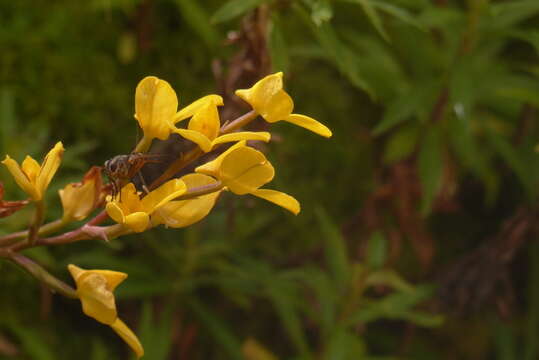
x: 195, y: 153
x: 39, y: 216
x: 42, y: 275
x: 173, y: 202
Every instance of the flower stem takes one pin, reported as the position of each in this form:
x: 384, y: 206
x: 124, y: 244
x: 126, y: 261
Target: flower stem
x: 39, y: 216
x: 42, y: 275
x: 48, y: 228
x: 239, y: 122
x: 143, y: 145
x: 195, y: 153
x: 201, y: 190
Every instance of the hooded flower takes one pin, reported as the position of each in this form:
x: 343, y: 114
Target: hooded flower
x: 182, y: 213
x: 95, y: 291
x: 243, y: 170
x: 203, y: 129
x: 80, y: 199
x: 268, y: 99
x: 32, y: 177
x: 156, y: 107
x: 134, y: 212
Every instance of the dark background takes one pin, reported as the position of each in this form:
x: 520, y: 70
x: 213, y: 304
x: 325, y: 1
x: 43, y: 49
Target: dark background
x: 417, y: 236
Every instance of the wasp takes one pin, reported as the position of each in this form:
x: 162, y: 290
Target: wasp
x: 122, y: 168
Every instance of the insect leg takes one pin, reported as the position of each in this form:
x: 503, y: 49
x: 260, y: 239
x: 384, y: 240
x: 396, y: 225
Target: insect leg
x: 144, y: 186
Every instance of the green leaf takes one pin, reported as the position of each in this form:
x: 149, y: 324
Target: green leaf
x: 406, y: 105
x: 321, y: 12
x: 280, y: 57
x: 513, y: 159
x: 388, y: 277
x: 373, y: 17
x: 509, y: 13
x: 401, y: 144
x: 335, y: 249
x: 285, y: 304
x: 343, y: 346
x: 397, y: 306
x: 398, y: 12
x: 156, y: 333
x: 8, y: 119
x: 218, y: 329
x: 336, y: 51
x: 430, y: 168
x: 377, y: 250
x: 234, y: 8
x: 33, y: 343
x: 197, y: 18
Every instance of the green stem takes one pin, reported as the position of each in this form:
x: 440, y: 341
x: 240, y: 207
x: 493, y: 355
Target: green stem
x: 39, y: 216
x: 42, y: 275
x: 143, y: 145
x: 46, y: 229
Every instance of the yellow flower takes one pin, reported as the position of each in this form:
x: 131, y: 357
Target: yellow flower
x: 95, y: 291
x: 134, y: 212
x: 32, y: 177
x: 268, y: 99
x: 203, y: 129
x: 156, y: 105
x: 182, y: 213
x: 80, y: 199
x: 243, y: 170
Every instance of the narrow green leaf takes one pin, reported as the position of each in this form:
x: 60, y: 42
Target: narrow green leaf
x: 398, y: 12
x: 344, y: 345
x: 280, y: 57
x: 374, y: 18
x: 335, y: 249
x: 513, y: 159
x: 407, y: 105
x: 430, y: 168
x: 286, y: 308
x: 197, y: 18
x: 33, y: 343
x: 234, y: 8
x: 155, y: 333
x: 388, y: 277
x: 508, y: 13
x: 218, y: 329
x: 8, y: 120
x: 377, y: 250
x: 401, y: 144
x: 321, y: 12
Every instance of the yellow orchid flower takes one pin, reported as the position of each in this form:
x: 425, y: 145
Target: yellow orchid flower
x: 95, y: 291
x: 203, y: 129
x: 134, y: 212
x: 268, y: 99
x: 32, y: 177
x: 156, y: 104
x: 243, y: 170
x: 156, y: 107
x: 80, y: 199
x: 182, y: 213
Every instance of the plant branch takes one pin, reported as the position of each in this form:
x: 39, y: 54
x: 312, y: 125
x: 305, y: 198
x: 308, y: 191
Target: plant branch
x: 42, y: 275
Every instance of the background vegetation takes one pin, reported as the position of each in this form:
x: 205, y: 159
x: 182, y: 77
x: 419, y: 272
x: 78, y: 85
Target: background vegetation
x: 417, y: 233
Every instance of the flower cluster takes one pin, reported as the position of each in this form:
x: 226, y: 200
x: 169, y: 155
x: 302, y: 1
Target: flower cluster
x: 170, y: 201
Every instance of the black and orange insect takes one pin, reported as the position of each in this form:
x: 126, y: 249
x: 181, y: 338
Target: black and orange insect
x: 122, y: 168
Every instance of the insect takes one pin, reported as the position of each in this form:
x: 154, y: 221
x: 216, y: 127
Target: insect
x: 122, y: 168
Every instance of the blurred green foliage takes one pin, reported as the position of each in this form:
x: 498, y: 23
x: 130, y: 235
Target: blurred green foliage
x: 433, y: 107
